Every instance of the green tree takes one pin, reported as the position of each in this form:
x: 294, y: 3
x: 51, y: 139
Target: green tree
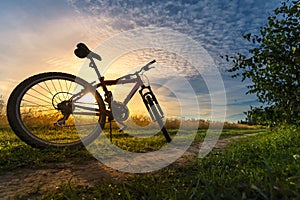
x: 273, y: 63
x: 262, y: 116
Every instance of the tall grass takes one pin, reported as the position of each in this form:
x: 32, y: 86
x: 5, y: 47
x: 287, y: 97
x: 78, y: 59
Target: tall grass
x: 3, y: 120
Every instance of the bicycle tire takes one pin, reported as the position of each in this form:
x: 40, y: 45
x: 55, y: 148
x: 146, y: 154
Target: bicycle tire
x: 31, y: 134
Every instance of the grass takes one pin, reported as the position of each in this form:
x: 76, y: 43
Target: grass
x: 265, y: 166
x: 15, y: 154
x: 236, y: 132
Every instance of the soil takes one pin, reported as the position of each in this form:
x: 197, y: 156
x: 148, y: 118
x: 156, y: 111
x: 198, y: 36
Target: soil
x: 37, y: 180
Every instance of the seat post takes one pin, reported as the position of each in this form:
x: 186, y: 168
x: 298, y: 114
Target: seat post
x: 94, y: 66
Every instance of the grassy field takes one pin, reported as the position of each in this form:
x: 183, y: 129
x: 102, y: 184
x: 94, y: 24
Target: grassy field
x: 14, y: 153
x: 265, y: 166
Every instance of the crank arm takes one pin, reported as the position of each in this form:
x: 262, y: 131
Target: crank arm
x: 61, y: 122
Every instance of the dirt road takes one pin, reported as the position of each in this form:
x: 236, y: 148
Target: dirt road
x: 36, y: 180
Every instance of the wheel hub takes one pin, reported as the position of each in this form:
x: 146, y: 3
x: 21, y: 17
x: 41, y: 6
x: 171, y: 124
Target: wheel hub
x: 66, y: 107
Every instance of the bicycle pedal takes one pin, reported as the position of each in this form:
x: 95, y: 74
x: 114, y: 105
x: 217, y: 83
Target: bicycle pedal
x: 122, y: 129
x: 59, y: 124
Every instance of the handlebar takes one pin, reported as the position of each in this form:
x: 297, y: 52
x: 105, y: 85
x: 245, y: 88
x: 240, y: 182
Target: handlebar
x: 144, y: 68
x: 147, y: 66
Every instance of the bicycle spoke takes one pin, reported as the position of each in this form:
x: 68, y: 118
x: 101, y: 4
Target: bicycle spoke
x: 37, y: 98
x: 61, y: 89
x: 54, y: 86
x: 34, y: 103
x: 68, y: 88
x: 39, y: 111
x: 40, y: 93
x: 48, y: 89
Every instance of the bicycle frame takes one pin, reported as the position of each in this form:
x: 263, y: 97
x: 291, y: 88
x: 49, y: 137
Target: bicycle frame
x: 108, y: 94
x: 148, y: 96
x: 138, y: 83
x: 104, y: 83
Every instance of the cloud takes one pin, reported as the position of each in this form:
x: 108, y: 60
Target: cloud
x: 40, y: 35
x: 217, y: 24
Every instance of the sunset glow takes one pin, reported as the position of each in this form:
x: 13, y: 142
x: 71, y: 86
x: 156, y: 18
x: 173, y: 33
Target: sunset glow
x: 40, y: 36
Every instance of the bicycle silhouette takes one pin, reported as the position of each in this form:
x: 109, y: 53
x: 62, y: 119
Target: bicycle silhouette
x: 51, y: 109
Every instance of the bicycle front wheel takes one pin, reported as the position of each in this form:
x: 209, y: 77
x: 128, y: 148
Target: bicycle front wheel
x: 43, y: 113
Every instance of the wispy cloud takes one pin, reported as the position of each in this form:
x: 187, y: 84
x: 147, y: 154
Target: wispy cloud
x: 37, y: 36
x: 40, y: 36
x: 217, y: 24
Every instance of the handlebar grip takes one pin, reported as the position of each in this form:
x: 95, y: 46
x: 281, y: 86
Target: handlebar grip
x: 150, y: 63
x: 146, y: 67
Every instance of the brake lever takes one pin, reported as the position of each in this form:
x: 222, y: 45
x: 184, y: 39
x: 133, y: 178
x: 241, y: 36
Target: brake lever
x: 142, y: 70
x: 148, y: 67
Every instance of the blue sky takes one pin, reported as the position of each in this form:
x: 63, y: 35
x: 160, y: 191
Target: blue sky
x: 39, y: 36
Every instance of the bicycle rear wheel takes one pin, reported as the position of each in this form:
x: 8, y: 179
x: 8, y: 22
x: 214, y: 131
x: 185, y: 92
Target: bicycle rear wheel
x: 42, y: 113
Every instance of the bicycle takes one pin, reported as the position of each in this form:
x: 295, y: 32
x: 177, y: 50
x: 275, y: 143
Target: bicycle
x: 52, y: 104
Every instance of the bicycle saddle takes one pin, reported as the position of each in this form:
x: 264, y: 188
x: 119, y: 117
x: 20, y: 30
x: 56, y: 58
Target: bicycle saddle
x: 82, y: 51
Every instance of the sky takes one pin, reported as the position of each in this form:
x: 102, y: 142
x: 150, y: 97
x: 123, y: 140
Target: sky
x: 39, y: 36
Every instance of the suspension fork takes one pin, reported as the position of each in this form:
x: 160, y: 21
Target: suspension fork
x: 154, y: 109
x: 147, y: 94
